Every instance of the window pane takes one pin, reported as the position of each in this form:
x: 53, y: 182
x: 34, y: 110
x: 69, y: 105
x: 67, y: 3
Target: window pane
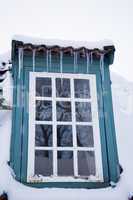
x: 86, y: 163
x: 43, y: 135
x: 62, y: 87
x: 44, y: 163
x: 63, y: 111
x: 82, y: 88
x: 65, y: 163
x: 44, y: 110
x: 84, y: 136
x: 83, y: 112
x: 64, y: 136
x: 43, y: 87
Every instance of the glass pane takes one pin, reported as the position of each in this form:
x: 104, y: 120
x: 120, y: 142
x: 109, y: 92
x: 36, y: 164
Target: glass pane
x: 43, y: 163
x: 65, y: 163
x: 44, y: 110
x: 63, y: 111
x: 86, y: 163
x: 64, y: 136
x: 62, y: 87
x: 84, y: 136
x: 43, y: 135
x: 81, y: 88
x: 83, y: 112
x: 43, y: 87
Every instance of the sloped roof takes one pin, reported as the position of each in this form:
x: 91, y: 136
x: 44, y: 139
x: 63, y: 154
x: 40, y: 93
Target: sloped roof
x: 105, y: 47
x: 64, y: 43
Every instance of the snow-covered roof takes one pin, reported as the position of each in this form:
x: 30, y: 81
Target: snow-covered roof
x: 64, y: 43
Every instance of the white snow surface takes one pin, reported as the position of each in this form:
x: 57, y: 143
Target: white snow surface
x: 123, y: 111
x: 5, y: 57
x: 63, y: 43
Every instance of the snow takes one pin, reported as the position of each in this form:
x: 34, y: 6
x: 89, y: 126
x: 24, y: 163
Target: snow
x: 123, y: 111
x: 63, y: 43
x: 6, y: 57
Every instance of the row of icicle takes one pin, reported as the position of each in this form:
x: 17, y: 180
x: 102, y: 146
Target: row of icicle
x: 89, y: 61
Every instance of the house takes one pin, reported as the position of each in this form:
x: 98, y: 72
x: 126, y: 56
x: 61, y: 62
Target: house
x: 63, y: 132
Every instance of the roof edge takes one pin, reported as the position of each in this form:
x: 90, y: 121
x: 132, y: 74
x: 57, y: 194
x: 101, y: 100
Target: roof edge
x: 107, y: 50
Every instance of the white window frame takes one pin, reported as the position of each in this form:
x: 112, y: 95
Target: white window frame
x: 95, y: 124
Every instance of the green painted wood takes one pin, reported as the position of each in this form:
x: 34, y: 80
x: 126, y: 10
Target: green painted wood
x: 19, y: 144
x: 14, y: 116
x: 110, y: 131
x: 16, y: 157
x: 26, y: 129
x: 91, y: 185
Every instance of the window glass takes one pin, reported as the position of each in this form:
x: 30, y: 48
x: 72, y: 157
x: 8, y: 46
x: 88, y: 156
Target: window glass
x: 62, y: 87
x: 83, y: 112
x: 65, y: 163
x: 81, y: 88
x: 44, y: 163
x: 43, y: 135
x: 86, y: 163
x: 84, y: 136
x: 43, y: 87
x: 63, y: 111
x: 64, y: 135
x: 44, y: 110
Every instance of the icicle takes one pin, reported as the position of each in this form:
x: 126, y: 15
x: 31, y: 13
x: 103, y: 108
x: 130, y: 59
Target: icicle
x: 61, y: 62
x: 91, y: 58
x: 34, y: 59
x: 20, y: 60
x: 102, y: 85
x: 75, y: 60
x: 47, y: 59
x: 102, y: 66
x: 88, y: 62
x: 50, y: 59
x: 61, y: 67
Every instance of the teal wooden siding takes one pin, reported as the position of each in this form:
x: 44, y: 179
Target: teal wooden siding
x: 19, y: 141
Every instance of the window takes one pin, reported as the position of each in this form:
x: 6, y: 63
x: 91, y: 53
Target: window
x: 64, y: 135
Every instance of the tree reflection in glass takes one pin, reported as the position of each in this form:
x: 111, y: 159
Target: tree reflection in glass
x: 43, y: 87
x: 63, y: 111
x: 83, y: 112
x: 44, y: 110
x: 62, y: 87
x: 43, y: 135
x: 84, y: 136
x: 81, y: 88
x: 64, y: 135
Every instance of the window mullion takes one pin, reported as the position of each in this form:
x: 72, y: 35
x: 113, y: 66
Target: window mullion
x: 54, y: 128
x: 74, y: 128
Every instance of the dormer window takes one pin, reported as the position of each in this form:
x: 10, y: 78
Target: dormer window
x: 63, y: 132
